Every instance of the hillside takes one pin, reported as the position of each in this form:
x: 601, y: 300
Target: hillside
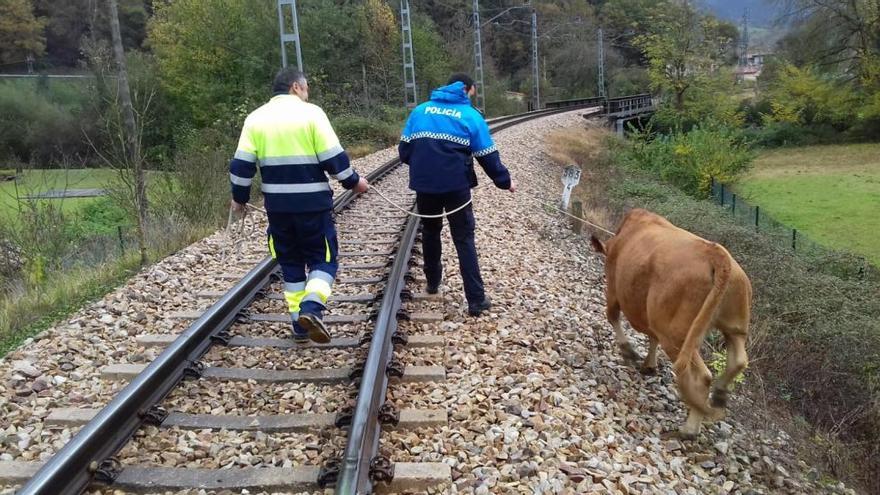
x: 761, y: 12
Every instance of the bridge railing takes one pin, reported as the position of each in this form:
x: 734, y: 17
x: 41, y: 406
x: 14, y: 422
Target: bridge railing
x: 618, y: 106
x: 630, y: 105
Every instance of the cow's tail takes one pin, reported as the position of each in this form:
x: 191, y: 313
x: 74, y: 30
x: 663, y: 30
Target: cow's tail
x: 720, y: 262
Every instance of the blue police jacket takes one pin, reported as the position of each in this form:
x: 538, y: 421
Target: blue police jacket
x: 441, y: 137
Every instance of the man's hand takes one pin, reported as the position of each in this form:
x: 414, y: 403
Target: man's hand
x: 361, y: 186
x: 512, y: 187
x: 236, y: 207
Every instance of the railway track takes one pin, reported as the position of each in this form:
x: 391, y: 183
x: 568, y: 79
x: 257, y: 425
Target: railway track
x: 376, y: 244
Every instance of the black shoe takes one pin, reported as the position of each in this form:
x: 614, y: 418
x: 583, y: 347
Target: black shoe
x: 314, y: 325
x: 477, y: 309
x: 433, y: 288
x: 300, y: 336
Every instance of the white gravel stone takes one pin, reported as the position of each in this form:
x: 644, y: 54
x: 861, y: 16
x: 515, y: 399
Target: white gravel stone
x: 538, y: 399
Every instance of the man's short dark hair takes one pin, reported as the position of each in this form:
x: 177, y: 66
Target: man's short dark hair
x: 285, y: 79
x: 462, y: 77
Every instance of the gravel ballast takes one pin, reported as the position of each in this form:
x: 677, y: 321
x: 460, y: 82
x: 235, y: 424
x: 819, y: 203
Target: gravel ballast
x: 538, y: 399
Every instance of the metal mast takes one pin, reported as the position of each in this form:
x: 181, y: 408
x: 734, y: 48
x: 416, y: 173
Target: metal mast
x: 601, y: 65
x: 478, y: 59
x: 536, y: 90
x: 289, y: 37
x: 744, y: 41
x: 411, y: 97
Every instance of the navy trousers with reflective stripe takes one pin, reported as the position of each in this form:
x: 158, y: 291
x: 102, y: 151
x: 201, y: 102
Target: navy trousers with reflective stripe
x: 462, y: 225
x: 305, y: 246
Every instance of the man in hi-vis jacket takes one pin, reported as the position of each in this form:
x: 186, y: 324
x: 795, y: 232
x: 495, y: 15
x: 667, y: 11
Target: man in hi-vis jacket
x: 438, y: 143
x: 296, y: 148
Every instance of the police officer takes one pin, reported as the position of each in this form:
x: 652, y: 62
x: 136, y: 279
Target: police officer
x: 296, y: 148
x: 440, y: 138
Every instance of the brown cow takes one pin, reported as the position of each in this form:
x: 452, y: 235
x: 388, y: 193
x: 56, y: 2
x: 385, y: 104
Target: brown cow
x: 674, y: 286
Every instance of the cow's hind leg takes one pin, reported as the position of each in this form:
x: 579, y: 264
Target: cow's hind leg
x: 649, y: 367
x: 737, y: 360
x: 626, y: 349
x: 693, y: 384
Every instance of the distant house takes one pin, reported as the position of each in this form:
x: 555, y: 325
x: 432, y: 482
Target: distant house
x: 757, y: 59
x: 752, y: 70
x: 513, y: 95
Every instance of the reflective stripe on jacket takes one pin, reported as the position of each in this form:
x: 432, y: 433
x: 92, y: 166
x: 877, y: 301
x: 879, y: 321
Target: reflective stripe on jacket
x: 296, y: 148
x: 441, y: 137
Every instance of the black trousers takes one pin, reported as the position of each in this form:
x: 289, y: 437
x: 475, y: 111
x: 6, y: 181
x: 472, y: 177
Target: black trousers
x: 462, y: 225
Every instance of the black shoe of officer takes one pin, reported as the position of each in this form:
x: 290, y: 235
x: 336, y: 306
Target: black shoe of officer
x: 433, y: 288
x: 478, y: 308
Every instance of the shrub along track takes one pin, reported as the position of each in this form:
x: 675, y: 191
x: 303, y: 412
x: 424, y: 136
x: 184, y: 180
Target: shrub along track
x: 243, y: 320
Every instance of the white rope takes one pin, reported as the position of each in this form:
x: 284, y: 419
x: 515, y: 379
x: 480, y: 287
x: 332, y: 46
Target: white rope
x: 448, y: 213
x: 419, y: 215
x: 575, y: 217
x: 235, y: 237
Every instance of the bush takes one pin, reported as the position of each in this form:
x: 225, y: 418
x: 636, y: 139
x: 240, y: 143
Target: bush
x: 778, y: 134
x: 196, y: 187
x: 357, y: 130
x: 690, y: 160
x: 38, y: 130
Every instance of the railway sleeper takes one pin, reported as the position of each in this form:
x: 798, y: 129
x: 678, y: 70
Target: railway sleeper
x: 327, y: 375
x: 406, y: 419
x: 408, y: 477
x: 421, y: 341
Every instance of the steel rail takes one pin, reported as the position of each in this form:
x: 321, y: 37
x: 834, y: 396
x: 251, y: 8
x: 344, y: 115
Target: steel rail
x: 363, y: 440
x: 73, y: 468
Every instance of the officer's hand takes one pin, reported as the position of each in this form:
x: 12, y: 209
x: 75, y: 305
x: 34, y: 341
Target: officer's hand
x: 361, y: 186
x: 512, y: 187
x: 236, y: 207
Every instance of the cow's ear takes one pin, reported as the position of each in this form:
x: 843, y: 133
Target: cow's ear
x: 597, y: 244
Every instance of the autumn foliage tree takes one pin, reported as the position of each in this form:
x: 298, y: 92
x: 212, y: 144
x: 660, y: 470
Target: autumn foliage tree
x: 21, y: 32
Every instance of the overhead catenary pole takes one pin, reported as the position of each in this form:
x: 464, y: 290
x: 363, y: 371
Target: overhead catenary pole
x: 536, y: 74
x: 478, y: 59
x: 744, y: 40
x: 602, y: 64
x: 130, y: 132
x: 411, y: 97
x: 288, y: 37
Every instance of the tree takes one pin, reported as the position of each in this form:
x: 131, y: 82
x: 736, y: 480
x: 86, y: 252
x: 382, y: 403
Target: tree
x: 132, y: 174
x: 381, y: 47
x: 683, y: 48
x: 21, y: 32
x: 216, y: 57
x: 841, y: 35
x: 71, y: 21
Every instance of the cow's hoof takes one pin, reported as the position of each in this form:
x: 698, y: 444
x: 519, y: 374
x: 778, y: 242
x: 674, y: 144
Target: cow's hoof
x: 630, y: 355
x: 648, y: 370
x: 719, y: 398
x: 688, y: 436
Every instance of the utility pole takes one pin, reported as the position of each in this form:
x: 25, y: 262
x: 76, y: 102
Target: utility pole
x: 289, y: 37
x: 130, y: 133
x: 411, y: 98
x: 601, y: 65
x: 744, y: 41
x: 536, y: 74
x: 478, y: 60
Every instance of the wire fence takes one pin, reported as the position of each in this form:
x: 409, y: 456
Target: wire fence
x: 843, y: 264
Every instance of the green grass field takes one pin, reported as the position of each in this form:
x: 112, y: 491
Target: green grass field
x: 37, y: 181
x: 831, y: 193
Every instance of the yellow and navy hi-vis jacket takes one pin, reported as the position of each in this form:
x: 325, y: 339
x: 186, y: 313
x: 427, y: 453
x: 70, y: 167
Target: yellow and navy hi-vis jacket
x: 296, y: 148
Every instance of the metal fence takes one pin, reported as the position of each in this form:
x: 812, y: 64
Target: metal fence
x: 843, y: 264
